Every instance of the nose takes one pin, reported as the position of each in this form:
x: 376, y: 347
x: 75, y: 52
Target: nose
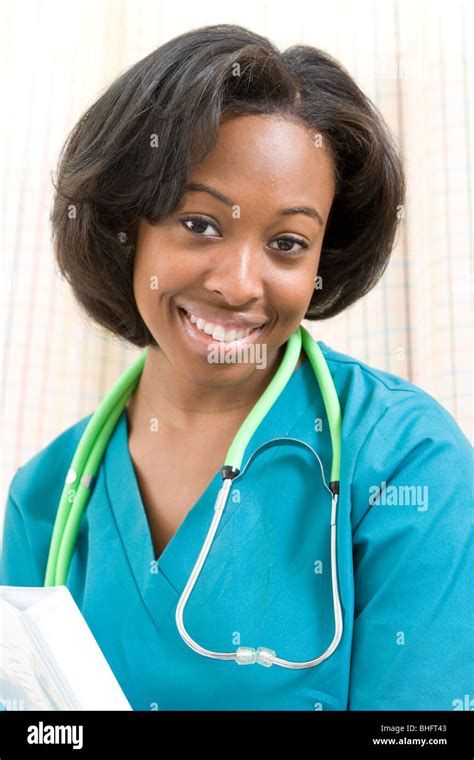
x: 238, y: 275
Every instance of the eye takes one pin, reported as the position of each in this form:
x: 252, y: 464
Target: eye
x: 199, y: 222
x: 290, y: 239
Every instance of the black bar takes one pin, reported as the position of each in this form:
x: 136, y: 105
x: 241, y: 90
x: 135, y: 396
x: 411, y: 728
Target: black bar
x: 377, y: 734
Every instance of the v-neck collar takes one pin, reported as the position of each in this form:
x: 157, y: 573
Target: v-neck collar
x: 160, y: 582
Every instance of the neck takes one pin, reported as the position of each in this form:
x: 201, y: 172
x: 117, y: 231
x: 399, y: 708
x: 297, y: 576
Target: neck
x: 182, y: 405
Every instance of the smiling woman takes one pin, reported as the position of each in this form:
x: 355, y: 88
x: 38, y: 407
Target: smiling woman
x: 215, y: 195
x: 234, y: 271
x: 170, y: 120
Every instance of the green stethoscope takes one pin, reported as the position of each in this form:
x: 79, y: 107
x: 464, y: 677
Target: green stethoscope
x: 89, y: 453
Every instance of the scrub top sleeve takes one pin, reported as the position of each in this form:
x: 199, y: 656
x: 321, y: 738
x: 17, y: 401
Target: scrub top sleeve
x: 17, y: 555
x: 413, y: 557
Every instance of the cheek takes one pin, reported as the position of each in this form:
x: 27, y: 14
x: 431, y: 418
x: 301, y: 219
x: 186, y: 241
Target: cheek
x: 160, y: 272
x: 150, y: 273
x: 169, y: 268
x: 292, y: 291
x: 148, y: 280
x: 142, y: 274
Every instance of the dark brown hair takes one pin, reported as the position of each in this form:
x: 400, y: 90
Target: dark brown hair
x: 130, y: 154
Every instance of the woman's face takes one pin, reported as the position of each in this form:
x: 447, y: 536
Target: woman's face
x: 233, y: 255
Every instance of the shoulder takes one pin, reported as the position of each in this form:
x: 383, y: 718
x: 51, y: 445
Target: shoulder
x: 44, y: 474
x: 375, y: 402
x: 31, y: 508
x: 398, y: 439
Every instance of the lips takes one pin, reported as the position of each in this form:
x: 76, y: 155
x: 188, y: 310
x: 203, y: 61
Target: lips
x: 228, y: 321
x: 202, y: 341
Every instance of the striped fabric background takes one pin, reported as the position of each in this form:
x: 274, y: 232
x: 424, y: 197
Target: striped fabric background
x: 411, y: 58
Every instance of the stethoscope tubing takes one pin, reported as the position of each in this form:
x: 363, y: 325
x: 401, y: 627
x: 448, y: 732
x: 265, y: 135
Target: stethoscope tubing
x: 262, y: 655
x: 90, y: 451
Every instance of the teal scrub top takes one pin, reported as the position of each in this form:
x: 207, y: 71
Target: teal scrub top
x: 404, y: 558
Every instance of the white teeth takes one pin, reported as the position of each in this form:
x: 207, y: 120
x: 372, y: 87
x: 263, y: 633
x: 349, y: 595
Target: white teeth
x: 217, y: 331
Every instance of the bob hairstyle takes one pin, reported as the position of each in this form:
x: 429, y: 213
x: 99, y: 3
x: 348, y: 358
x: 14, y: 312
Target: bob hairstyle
x: 130, y: 154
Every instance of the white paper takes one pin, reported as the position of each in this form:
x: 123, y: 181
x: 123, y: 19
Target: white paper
x: 49, y: 658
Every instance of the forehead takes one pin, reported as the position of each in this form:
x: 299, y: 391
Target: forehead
x: 258, y: 153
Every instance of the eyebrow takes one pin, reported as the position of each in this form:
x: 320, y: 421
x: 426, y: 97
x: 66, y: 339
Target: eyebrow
x: 201, y: 188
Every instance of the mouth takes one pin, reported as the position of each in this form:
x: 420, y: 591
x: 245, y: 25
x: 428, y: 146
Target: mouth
x: 203, y: 341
